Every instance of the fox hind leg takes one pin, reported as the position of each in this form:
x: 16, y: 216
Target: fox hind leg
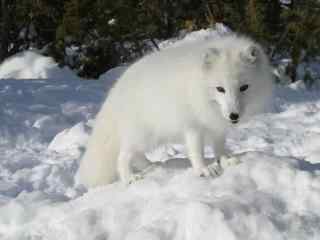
x: 124, y: 166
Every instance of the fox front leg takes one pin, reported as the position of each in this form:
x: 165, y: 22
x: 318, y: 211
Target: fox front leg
x: 222, y: 155
x: 218, y: 145
x: 195, y: 149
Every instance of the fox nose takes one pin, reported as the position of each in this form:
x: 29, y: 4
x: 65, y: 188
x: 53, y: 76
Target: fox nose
x: 234, y: 116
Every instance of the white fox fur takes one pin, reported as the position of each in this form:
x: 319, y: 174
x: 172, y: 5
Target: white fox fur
x: 176, y: 95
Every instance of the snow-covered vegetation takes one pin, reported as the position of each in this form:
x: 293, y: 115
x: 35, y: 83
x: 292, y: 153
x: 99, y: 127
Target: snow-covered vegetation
x: 274, y: 193
x: 92, y: 36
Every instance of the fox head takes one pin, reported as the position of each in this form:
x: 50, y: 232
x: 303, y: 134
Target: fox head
x: 236, y: 79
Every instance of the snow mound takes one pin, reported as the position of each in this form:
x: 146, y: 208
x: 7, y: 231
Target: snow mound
x: 113, y: 74
x: 31, y: 65
x: 209, y: 34
x: 264, y: 197
x: 273, y: 194
x: 70, y: 140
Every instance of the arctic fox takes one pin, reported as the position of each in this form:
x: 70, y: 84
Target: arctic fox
x: 191, y: 93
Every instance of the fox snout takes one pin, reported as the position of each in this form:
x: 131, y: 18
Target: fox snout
x: 234, y: 117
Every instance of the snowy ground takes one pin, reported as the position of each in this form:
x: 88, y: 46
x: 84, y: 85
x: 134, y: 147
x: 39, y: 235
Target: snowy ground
x: 273, y: 194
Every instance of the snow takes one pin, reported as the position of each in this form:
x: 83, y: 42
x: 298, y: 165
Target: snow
x: 186, y: 38
x: 111, y: 75
x: 274, y: 193
x: 31, y: 65
x: 73, y: 139
x: 285, y: 1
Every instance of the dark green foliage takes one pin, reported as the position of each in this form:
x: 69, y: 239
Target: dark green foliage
x: 103, y: 33
x: 308, y: 79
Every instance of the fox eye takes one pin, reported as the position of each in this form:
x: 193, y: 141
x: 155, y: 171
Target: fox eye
x: 221, y: 89
x: 244, y: 87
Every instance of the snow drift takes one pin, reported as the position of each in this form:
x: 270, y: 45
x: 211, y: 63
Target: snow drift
x: 32, y: 65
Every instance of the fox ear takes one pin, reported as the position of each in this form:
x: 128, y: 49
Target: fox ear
x: 210, y: 57
x: 250, y: 55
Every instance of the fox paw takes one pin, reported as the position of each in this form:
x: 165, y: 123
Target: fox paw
x: 213, y: 170
x: 227, y: 161
x: 133, y: 178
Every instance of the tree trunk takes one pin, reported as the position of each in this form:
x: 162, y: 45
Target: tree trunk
x: 293, y: 66
x: 4, y: 30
